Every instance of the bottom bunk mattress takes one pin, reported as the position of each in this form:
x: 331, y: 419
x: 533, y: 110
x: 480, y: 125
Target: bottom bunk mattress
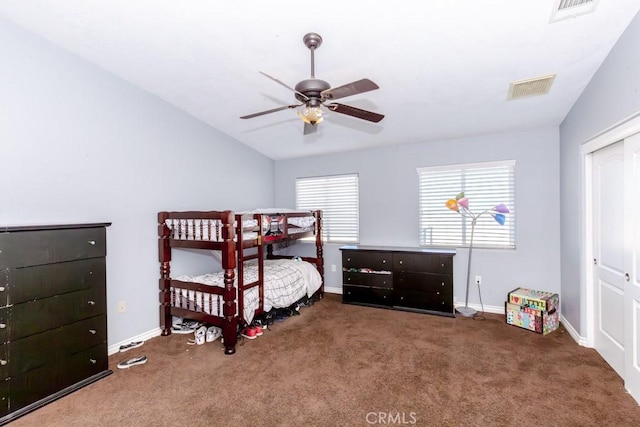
x: 285, y: 282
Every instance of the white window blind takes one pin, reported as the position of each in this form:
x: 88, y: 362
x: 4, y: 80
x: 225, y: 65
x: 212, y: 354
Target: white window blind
x: 485, y: 185
x: 337, y: 196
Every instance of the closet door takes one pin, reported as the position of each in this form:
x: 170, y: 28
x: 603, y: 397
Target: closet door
x: 608, y: 252
x: 632, y: 264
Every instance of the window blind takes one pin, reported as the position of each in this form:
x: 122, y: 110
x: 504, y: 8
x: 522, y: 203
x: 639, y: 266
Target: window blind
x: 485, y: 185
x: 337, y: 196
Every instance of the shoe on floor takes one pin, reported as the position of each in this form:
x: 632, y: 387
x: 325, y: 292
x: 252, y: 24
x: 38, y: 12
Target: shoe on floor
x: 132, y: 344
x: 182, y: 329
x: 249, y: 332
x: 132, y: 362
x: 213, y: 333
x: 258, y: 329
x: 201, y: 334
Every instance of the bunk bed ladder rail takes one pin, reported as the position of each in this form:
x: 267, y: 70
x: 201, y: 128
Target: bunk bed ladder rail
x: 164, y: 256
x: 242, y: 258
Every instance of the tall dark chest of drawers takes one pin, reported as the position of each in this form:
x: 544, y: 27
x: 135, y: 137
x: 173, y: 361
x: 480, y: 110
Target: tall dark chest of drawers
x: 413, y: 279
x: 53, y: 322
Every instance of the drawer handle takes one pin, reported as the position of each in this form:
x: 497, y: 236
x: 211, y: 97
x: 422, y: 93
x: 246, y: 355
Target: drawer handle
x: 2, y: 288
x: 92, y: 331
x: 348, y: 279
x: 348, y: 259
x: 92, y: 302
x: 92, y: 242
x: 384, y: 261
x: 401, y: 298
x: 401, y: 262
x: 93, y: 361
x: 3, y: 362
x: 3, y: 325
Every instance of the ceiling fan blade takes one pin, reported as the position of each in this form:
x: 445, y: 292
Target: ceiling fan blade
x: 353, y: 88
x: 262, y: 113
x: 283, y: 84
x: 355, y: 112
x: 309, y: 128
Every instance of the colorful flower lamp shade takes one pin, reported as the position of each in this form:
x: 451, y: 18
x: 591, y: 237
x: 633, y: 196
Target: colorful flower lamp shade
x: 460, y: 204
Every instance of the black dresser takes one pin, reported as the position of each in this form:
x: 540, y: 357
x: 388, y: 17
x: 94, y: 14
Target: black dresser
x: 415, y: 279
x: 53, y: 322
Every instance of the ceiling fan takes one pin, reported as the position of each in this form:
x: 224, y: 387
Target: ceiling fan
x: 314, y: 93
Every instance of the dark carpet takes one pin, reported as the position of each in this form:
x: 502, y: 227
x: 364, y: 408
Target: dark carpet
x: 346, y: 365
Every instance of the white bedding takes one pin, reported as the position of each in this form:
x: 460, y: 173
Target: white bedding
x: 285, y: 282
x: 298, y: 221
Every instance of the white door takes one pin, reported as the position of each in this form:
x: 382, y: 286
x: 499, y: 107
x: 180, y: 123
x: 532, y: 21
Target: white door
x: 608, y: 251
x: 632, y: 264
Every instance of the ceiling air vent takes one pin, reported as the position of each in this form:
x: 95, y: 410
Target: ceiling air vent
x: 564, y: 9
x: 530, y: 87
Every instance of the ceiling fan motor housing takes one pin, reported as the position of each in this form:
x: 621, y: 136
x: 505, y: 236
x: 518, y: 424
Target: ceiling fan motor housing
x: 311, y: 88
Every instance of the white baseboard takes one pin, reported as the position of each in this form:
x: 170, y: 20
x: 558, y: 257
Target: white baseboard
x: 115, y: 348
x: 495, y: 309
x: 572, y: 331
x: 333, y: 290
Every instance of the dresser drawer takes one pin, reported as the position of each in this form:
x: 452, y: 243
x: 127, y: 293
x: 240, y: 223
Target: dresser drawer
x: 377, y: 261
x: 38, y: 350
x: 82, y: 335
x: 433, y: 301
x: 22, y: 320
x: 423, y: 282
x: 27, y: 354
x: 423, y: 262
x: 368, y: 279
x: 82, y: 365
x: 367, y: 295
x: 26, y: 248
x: 29, y: 387
x: 25, y: 284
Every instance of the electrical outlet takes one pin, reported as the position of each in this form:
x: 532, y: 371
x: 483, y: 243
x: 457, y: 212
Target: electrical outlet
x: 478, y: 280
x: 122, y: 307
x: 333, y: 267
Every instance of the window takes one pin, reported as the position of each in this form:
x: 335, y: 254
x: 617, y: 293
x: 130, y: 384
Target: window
x: 485, y: 185
x: 337, y: 196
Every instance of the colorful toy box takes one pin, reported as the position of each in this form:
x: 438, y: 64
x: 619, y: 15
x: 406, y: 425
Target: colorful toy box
x: 533, y: 310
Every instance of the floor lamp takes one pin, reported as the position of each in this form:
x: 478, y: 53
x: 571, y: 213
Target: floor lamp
x: 460, y: 204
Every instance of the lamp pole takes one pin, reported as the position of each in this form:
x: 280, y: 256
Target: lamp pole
x: 466, y: 311
x: 460, y: 204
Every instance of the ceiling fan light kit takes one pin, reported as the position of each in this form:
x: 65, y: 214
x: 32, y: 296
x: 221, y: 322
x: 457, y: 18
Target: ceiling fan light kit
x: 313, y: 93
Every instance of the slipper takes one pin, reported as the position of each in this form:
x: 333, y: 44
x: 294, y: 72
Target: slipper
x: 200, y: 335
x: 213, y: 333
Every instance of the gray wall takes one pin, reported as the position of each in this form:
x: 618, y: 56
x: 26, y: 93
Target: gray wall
x: 612, y: 95
x: 389, y: 205
x: 79, y: 145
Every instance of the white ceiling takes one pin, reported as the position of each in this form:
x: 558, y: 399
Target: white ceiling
x: 443, y: 66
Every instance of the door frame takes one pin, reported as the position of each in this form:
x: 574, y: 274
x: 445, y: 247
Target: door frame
x: 611, y: 135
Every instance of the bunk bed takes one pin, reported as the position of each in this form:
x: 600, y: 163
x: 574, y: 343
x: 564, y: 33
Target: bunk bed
x: 249, y: 275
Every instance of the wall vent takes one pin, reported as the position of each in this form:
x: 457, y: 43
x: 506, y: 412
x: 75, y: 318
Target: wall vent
x: 565, y: 9
x: 530, y: 87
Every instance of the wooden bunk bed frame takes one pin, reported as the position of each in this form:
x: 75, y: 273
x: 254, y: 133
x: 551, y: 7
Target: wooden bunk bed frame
x: 224, y: 231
